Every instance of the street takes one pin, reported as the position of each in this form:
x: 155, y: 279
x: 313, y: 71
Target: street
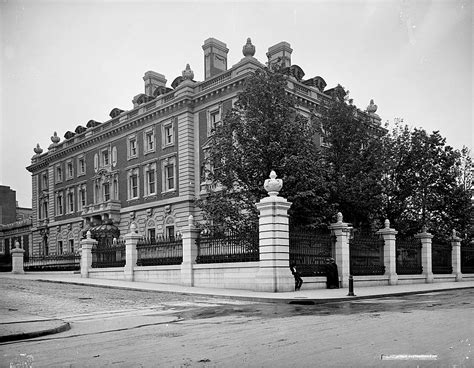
x: 123, y: 328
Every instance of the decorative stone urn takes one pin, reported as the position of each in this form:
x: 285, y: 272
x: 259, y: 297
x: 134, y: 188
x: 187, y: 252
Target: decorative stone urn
x: 372, y: 108
x: 273, y: 185
x: 38, y: 150
x: 248, y: 49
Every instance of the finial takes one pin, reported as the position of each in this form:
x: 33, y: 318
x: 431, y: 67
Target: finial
x: 188, y: 73
x: 38, y: 150
x: 339, y: 218
x: 17, y: 245
x: 273, y: 185
x: 387, y: 224
x: 133, y: 228
x: 248, y: 49
x: 424, y: 229
x: 88, y: 234
x: 454, y: 233
x: 55, y: 139
x: 372, y: 108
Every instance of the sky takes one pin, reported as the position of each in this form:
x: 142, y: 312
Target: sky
x: 64, y: 63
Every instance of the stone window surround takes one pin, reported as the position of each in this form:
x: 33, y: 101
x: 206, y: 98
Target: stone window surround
x: 146, y: 169
x: 81, y: 188
x: 59, y: 203
x: 166, y: 128
x: 70, y: 196
x: 132, y: 138
x: 165, y: 162
x: 58, y: 173
x: 105, y: 157
x: 147, y: 134
x: 131, y: 172
x: 215, y: 110
x: 81, y: 163
x: 69, y: 170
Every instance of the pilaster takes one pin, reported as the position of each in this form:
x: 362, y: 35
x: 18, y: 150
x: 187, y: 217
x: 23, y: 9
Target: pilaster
x: 131, y: 241
x: 189, y: 235
x: 86, y: 254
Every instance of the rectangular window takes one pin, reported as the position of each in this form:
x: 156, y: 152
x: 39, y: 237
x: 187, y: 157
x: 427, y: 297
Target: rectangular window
x: 149, y: 141
x: 169, y: 172
x: 70, y: 200
x: 151, y: 181
x: 134, y: 186
x: 70, y: 170
x: 59, y: 202
x: 168, y: 134
x: 132, y: 147
x: 106, y: 191
x: 170, y: 232
x: 82, y: 198
x: 71, y: 246
x: 59, y: 174
x: 81, y: 166
x: 151, y: 234
x: 105, y: 158
x: 60, y: 247
x: 214, y: 118
x: 44, y: 209
x: 44, y: 181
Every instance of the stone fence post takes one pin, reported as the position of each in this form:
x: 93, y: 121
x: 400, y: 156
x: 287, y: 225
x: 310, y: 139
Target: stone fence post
x: 86, y: 254
x: 274, y: 273
x: 426, y: 255
x: 18, y: 255
x: 131, y: 241
x: 456, y: 256
x: 341, y: 249
x: 389, y: 252
x: 189, y: 236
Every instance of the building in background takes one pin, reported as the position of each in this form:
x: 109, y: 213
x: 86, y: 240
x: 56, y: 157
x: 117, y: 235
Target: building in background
x: 145, y: 164
x: 15, y: 225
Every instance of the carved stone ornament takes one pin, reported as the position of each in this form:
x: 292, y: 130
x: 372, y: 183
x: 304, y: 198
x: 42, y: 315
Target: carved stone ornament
x: 55, y: 139
x: 188, y: 73
x: 372, y: 108
x: 387, y: 224
x: 38, y: 150
x: 339, y: 217
x: 273, y: 185
x: 248, y: 49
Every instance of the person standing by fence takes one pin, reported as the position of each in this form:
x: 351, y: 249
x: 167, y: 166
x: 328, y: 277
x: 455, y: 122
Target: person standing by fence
x: 297, y: 276
x: 332, y: 274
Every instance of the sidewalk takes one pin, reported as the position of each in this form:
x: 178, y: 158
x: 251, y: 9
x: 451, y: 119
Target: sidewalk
x: 14, y: 326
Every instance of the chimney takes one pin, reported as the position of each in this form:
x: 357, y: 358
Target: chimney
x: 153, y: 80
x: 215, y: 57
x: 281, y: 52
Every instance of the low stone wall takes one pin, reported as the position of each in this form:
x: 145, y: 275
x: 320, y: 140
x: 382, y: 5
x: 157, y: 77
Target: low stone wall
x: 112, y: 273
x: 242, y: 275
x: 158, y: 274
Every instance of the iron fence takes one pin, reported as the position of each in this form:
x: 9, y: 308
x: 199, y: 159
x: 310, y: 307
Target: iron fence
x: 228, y: 246
x: 160, y: 251
x: 309, y: 250
x: 108, y: 253
x: 408, y: 256
x: 366, y: 254
x: 441, y: 256
x: 54, y: 262
x: 467, y: 255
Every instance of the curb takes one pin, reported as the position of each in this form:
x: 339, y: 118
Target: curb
x: 302, y: 301
x: 65, y: 326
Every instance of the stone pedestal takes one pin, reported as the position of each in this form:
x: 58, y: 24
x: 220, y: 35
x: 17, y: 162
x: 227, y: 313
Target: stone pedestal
x: 456, y: 256
x: 189, y: 236
x: 426, y: 255
x: 341, y: 249
x: 17, y: 259
x: 131, y: 241
x: 86, y: 254
x: 389, y: 252
x: 274, y: 273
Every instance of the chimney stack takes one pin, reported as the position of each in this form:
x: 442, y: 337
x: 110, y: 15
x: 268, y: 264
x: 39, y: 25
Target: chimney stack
x: 215, y: 57
x: 280, y: 53
x: 153, y: 80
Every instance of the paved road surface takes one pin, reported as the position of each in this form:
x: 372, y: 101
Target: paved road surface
x: 119, y: 328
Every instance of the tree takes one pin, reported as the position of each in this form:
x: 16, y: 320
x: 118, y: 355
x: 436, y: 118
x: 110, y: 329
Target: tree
x: 263, y: 132
x: 352, y: 157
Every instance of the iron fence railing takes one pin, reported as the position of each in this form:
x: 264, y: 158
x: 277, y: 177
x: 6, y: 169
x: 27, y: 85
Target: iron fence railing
x: 54, y: 262
x: 160, y: 251
x: 366, y: 254
x: 309, y: 250
x: 228, y: 246
x: 408, y: 252
x: 108, y: 253
x: 467, y: 255
x: 441, y: 256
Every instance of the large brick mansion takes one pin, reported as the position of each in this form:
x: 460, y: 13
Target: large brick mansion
x: 144, y: 165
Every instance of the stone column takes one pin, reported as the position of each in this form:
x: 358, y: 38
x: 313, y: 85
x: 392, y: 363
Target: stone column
x: 86, y: 254
x: 456, y: 256
x: 189, y: 236
x: 389, y: 252
x: 426, y: 256
x: 17, y: 259
x: 131, y: 240
x: 274, y: 273
x: 341, y: 250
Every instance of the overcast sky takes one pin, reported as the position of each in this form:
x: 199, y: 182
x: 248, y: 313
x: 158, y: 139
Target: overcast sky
x: 64, y: 63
